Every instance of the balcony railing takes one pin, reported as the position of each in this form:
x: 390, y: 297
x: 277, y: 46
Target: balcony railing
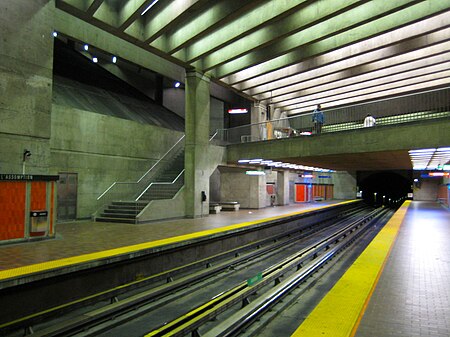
x: 406, y: 109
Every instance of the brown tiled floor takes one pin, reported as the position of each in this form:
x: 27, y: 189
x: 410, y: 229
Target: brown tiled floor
x: 83, y: 237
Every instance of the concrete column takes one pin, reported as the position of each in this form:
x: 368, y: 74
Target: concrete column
x: 258, y: 116
x: 197, y: 141
x: 282, y: 188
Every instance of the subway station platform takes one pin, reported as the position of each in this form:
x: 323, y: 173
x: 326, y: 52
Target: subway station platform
x: 399, y: 286
x: 86, y: 237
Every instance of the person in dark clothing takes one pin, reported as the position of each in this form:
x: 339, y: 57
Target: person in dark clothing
x: 318, y: 119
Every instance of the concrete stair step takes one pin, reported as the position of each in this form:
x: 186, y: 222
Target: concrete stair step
x: 122, y: 211
x: 125, y: 208
x: 129, y: 203
x: 119, y: 220
x: 119, y: 215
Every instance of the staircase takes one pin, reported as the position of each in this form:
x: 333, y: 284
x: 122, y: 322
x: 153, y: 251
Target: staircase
x: 164, y: 185
x: 122, y: 211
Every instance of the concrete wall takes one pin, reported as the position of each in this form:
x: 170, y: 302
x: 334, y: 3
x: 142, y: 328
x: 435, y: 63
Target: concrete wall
x: 427, y: 190
x: 26, y: 62
x: 249, y: 191
x: 103, y: 149
x: 173, y: 100
x: 344, y: 185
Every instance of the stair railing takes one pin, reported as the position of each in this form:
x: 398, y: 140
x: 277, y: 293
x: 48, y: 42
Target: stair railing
x: 160, y: 183
x: 120, y: 191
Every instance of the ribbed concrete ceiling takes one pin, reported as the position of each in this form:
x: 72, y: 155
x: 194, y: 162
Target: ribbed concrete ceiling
x: 292, y: 54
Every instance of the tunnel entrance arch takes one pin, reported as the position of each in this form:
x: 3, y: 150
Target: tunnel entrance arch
x: 384, y: 187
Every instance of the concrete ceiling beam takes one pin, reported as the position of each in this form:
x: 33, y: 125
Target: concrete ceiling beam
x: 349, y: 78
x: 107, y: 12
x: 331, y: 74
x: 82, y: 5
x: 267, y: 60
x: 205, y: 24
x: 297, y: 29
x: 425, y: 83
x: 401, y: 41
x: 253, y: 26
x: 369, y: 86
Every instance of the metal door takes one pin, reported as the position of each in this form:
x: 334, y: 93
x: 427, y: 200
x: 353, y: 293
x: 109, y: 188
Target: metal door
x: 67, y: 196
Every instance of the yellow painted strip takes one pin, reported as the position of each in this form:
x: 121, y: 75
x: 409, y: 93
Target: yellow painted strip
x: 340, y: 311
x: 47, y: 266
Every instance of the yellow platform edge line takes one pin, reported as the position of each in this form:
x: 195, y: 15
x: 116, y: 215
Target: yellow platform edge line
x: 73, y: 260
x: 340, y: 311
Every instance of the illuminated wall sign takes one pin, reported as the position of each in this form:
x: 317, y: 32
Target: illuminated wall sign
x: 307, y: 176
x: 435, y: 175
x: 237, y: 111
x: 324, y: 177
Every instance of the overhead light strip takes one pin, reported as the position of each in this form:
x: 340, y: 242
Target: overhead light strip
x: 430, y: 159
x: 149, y: 6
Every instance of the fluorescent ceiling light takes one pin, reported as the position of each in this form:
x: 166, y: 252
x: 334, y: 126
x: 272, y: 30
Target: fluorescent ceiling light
x: 149, y: 6
x: 429, y: 159
x: 237, y: 111
x: 279, y: 164
x: 255, y: 173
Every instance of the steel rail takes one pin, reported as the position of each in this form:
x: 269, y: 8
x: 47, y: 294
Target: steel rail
x: 192, y: 320
x: 117, y: 308
x: 246, y: 316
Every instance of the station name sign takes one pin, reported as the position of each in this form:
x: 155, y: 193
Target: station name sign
x: 26, y: 177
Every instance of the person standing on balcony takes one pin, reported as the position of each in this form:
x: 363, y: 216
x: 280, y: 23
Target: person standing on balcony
x: 318, y: 119
x: 369, y: 121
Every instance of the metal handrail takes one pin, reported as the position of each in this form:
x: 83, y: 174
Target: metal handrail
x: 432, y: 104
x: 160, y: 183
x: 145, y: 174
x: 159, y: 160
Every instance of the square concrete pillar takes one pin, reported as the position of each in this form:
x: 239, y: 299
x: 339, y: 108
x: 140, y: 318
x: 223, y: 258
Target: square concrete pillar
x: 196, y: 178
x: 258, y: 118
x: 282, y: 188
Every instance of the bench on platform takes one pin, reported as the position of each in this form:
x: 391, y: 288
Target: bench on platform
x: 214, y: 208
x: 230, y: 205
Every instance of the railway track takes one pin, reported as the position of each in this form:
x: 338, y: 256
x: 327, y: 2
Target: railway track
x: 312, y: 243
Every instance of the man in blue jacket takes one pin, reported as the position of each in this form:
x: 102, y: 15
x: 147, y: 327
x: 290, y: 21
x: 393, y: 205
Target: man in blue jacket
x: 318, y: 119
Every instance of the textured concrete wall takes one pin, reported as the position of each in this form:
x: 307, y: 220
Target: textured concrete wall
x: 103, y: 149
x: 249, y: 191
x: 344, y: 185
x: 26, y: 61
x: 427, y: 190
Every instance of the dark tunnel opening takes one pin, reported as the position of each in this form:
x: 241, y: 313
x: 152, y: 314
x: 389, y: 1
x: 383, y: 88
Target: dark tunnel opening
x: 385, y: 188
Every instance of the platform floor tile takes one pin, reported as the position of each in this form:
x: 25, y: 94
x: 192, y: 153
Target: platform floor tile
x: 86, y: 237
x: 412, y: 297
